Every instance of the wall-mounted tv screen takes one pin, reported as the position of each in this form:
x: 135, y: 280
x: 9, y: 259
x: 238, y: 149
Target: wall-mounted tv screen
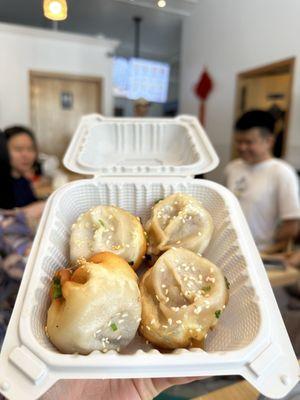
x: 137, y: 77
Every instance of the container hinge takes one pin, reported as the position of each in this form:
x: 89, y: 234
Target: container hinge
x: 29, y: 364
x: 265, y: 359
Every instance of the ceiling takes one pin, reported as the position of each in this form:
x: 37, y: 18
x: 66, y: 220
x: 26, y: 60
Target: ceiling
x: 160, y: 28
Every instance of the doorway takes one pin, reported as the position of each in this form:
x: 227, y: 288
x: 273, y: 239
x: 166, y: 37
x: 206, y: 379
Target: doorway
x: 268, y: 88
x: 57, y: 102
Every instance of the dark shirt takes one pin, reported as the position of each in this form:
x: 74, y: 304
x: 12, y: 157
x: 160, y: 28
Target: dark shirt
x: 23, y: 194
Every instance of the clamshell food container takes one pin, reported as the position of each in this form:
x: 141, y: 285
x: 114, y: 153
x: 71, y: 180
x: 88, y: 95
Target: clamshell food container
x: 135, y: 162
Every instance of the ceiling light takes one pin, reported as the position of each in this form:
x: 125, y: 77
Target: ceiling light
x: 161, y: 3
x: 57, y: 10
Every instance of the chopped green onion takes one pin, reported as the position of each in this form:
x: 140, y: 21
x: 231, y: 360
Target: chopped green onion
x: 113, y: 327
x: 218, y: 313
x: 206, y: 288
x: 227, y: 283
x: 131, y: 263
x: 57, y: 292
x: 101, y: 223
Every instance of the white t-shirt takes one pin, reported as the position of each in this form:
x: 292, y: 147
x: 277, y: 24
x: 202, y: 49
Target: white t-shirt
x: 268, y: 193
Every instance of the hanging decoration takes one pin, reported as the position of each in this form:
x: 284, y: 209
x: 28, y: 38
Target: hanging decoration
x: 202, y: 90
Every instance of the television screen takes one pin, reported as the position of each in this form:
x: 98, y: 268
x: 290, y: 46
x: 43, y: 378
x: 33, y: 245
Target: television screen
x: 137, y: 77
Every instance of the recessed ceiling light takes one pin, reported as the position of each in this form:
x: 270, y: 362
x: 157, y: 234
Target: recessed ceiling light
x: 161, y: 3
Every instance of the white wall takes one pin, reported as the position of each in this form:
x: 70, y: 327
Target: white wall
x: 229, y: 37
x: 24, y: 49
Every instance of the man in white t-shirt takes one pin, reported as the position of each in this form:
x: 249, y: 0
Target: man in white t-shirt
x: 266, y: 187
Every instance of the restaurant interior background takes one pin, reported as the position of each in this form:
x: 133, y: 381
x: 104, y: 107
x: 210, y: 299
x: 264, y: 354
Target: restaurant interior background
x: 52, y: 73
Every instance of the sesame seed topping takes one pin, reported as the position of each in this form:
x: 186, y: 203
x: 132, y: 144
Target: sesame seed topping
x: 198, y: 310
x: 179, y: 322
x: 152, y: 321
x: 170, y: 321
x: 121, y: 321
x: 119, y: 337
x: 165, y: 326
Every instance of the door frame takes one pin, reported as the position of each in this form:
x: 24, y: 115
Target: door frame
x: 287, y: 65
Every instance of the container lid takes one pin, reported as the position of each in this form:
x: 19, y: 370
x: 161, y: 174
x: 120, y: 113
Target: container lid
x: 140, y: 146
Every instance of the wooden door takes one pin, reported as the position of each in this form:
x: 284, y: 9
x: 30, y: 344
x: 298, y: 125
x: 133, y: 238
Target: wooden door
x: 57, y: 103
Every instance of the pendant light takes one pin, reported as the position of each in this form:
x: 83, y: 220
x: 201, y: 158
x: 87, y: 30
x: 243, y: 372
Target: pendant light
x: 56, y: 10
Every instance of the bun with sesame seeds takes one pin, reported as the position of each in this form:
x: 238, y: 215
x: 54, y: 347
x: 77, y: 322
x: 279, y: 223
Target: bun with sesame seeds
x: 97, y: 307
x: 108, y: 228
x: 179, y: 220
x: 183, y: 296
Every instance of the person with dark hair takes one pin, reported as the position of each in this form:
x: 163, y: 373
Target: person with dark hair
x: 19, y: 213
x: 19, y: 168
x: 266, y: 187
x: 20, y: 151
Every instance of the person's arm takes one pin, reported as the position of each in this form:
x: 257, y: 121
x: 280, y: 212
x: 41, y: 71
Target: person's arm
x: 287, y: 231
x: 289, y: 206
x: 112, y: 389
x: 293, y: 259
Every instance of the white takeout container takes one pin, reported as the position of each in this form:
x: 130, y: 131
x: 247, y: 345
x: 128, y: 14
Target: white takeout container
x: 134, y: 163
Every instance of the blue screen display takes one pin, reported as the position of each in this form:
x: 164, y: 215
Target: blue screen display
x: 136, y: 77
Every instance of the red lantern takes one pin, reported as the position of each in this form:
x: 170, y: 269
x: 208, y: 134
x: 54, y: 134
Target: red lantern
x: 202, y: 90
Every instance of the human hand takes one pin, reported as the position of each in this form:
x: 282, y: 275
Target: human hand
x: 34, y: 210
x: 112, y: 389
x: 293, y: 259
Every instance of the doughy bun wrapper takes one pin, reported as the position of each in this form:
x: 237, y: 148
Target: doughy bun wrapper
x: 179, y: 220
x: 183, y: 296
x: 99, y: 309
x: 108, y: 228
